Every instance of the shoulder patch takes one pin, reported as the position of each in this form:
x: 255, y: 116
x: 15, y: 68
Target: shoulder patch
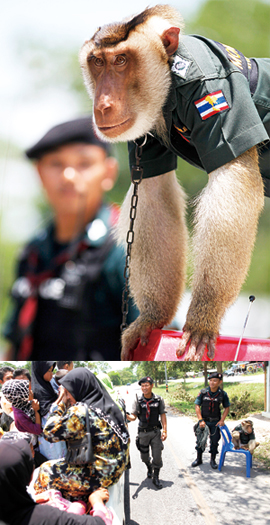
x: 180, y: 66
x: 211, y: 104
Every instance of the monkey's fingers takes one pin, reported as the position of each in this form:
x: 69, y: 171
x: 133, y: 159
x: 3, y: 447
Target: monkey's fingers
x: 191, y: 355
x: 197, y: 347
x: 140, y: 330
x: 183, y: 343
x: 145, y: 334
x: 211, y: 348
x: 201, y: 347
x: 126, y: 350
x: 132, y: 335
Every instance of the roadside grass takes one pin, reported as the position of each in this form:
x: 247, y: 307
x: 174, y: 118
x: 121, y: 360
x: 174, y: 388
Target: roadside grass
x: 262, y: 454
x: 182, y: 396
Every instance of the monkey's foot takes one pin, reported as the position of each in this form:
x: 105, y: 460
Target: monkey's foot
x: 196, y: 347
x: 140, y: 330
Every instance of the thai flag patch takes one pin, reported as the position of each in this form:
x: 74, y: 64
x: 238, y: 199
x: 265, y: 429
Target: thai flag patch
x: 211, y: 104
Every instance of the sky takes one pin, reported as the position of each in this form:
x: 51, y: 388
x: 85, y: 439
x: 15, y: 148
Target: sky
x: 24, y: 114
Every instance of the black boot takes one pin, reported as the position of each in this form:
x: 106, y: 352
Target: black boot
x: 156, y: 478
x: 149, y: 469
x: 213, y: 461
x: 198, y: 460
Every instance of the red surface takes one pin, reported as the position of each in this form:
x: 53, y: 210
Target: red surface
x: 163, y: 344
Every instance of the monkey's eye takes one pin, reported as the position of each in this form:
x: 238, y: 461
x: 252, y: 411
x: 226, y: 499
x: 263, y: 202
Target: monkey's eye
x: 120, y: 60
x: 99, y: 62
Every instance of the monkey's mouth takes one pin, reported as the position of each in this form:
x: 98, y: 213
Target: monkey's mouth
x: 116, y: 128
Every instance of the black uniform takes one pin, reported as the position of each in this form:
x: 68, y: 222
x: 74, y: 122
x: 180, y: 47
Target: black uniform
x: 67, y: 298
x: 149, y: 430
x: 210, y: 408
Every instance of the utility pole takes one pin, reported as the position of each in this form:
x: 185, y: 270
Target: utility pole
x: 166, y: 379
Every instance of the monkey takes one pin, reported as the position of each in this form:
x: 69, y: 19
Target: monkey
x: 191, y: 97
x: 243, y: 436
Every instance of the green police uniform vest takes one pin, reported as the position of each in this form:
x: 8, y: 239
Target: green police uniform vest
x: 218, y: 108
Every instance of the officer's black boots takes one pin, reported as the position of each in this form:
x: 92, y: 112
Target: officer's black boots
x: 213, y: 461
x: 156, y: 481
x: 198, y: 460
x: 149, y: 470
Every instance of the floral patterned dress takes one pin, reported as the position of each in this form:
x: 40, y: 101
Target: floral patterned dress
x: 111, y: 453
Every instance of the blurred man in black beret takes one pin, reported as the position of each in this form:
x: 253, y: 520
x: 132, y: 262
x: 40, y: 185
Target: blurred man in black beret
x: 207, y: 406
x: 68, y: 291
x: 149, y: 408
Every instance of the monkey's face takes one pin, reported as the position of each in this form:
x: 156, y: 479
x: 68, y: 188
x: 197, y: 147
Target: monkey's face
x: 247, y: 426
x: 129, y: 84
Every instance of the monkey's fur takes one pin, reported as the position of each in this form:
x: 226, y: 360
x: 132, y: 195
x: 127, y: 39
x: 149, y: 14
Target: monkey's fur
x: 247, y: 428
x: 227, y: 210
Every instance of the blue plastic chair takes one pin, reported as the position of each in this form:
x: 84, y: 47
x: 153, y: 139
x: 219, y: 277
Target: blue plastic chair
x: 227, y: 446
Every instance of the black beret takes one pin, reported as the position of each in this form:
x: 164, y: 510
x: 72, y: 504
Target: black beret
x: 215, y: 375
x: 146, y: 379
x: 77, y: 130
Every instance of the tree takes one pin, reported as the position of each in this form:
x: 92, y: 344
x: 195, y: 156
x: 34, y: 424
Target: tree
x: 115, y: 378
x: 126, y: 376
x: 154, y: 369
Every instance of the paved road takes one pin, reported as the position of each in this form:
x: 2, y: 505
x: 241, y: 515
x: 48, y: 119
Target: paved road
x: 194, y: 496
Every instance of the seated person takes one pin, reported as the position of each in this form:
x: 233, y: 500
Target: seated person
x: 109, y: 435
x: 17, y: 506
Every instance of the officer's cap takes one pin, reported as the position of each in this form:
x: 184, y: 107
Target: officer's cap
x: 77, y: 130
x: 215, y: 375
x: 146, y: 379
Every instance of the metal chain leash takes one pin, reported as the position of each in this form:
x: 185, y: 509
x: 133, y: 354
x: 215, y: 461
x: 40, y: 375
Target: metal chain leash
x: 136, y: 178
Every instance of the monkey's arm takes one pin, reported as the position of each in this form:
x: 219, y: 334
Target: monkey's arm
x: 157, y: 268
x: 225, y: 229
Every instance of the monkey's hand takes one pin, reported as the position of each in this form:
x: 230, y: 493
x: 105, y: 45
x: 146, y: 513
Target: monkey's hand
x: 138, y: 331
x: 197, y: 345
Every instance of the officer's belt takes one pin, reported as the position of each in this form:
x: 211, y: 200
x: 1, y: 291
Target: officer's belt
x: 148, y: 429
x: 211, y: 419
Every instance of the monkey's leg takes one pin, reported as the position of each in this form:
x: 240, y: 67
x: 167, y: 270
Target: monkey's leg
x: 252, y: 445
x: 158, y: 255
x: 225, y: 230
x: 236, y: 439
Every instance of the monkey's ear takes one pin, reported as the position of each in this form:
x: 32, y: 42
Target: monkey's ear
x: 170, y: 40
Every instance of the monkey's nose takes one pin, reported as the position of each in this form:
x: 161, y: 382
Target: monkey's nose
x: 103, y: 104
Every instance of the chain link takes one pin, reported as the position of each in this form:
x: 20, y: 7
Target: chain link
x: 136, y: 178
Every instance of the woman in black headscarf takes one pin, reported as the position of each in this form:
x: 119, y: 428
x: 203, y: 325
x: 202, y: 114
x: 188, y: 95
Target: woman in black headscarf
x: 42, y: 388
x: 110, y: 438
x: 17, y: 506
x: 41, y: 374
